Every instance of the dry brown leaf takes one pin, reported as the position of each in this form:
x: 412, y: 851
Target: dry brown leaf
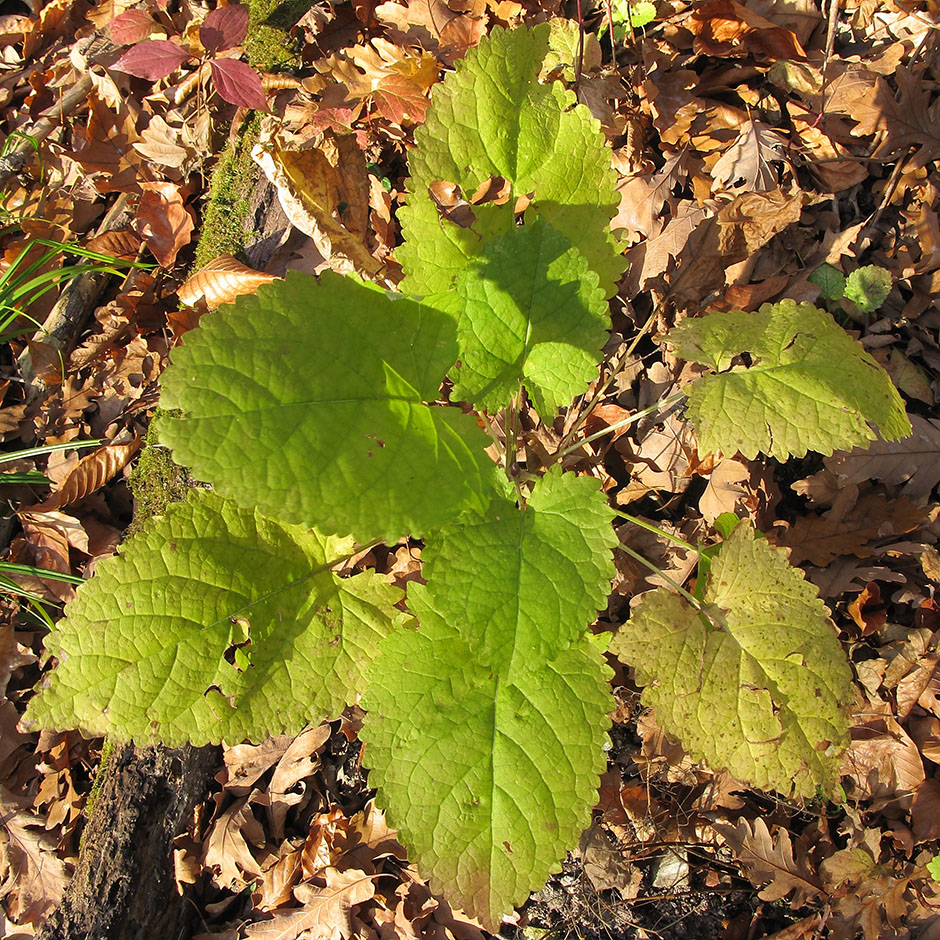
x: 727, y: 28
x: 90, y: 474
x: 32, y: 876
x: 324, y: 191
x: 165, y: 145
x: 748, y: 160
x: 903, y: 122
x: 365, y: 839
x: 925, y: 811
x: 277, y: 884
x: 883, y: 762
x: 397, y: 81
x: 163, y: 221
x: 299, y: 761
x: 227, y: 846
x: 221, y: 281
x: 849, y: 528
x: 433, y: 25
x: 661, y: 460
x: 912, y: 463
x: 245, y: 763
x: 777, y: 862
x: 327, y: 912
x: 49, y: 536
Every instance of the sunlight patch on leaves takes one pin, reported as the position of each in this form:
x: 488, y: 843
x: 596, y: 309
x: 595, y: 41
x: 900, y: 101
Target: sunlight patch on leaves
x: 810, y: 385
x: 762, y: 692
x: 214, y: 622
x: 308, y: 400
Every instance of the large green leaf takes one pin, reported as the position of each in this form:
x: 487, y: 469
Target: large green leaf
x: 214, y: 622
x: 764, y: 690
x: 521, y: 586
x: 810, y: 386
x: 488, y: 778
x: 493, y: 118
x: 530, y: 311
x: 308, y: 402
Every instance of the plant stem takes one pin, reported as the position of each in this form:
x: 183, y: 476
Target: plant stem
x: 682, y: 543
x: 697, y: 604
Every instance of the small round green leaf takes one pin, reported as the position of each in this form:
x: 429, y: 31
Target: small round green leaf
x: 830, y: 281
x: 868, y: 287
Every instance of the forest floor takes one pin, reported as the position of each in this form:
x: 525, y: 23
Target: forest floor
x: 754, y: 145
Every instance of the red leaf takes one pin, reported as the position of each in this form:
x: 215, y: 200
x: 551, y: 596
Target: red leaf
x: 238, y: 84
x: 131, y: 26
x: 224, y: 28
x: 152, y: 59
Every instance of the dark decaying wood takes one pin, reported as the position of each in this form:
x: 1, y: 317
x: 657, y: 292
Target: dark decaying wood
x: 123, y: 886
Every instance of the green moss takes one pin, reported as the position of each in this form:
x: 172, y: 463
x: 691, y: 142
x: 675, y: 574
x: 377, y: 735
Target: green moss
x: 225, y: 218
x: 269, y: 45
x: 156, y: 481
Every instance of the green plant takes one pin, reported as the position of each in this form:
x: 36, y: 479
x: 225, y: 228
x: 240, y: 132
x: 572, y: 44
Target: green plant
x: 35, y: 605
x: 313, y: 409
x: 24, y: 282
x: 867, y: 287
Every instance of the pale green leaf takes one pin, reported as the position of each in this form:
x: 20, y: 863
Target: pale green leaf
x: 763, y: 691
x: 214, y: 622
x: 868, y: 287
x: 830, y: 281
x: 493, y: 118
x: 521, y: 586
x: 307, y: 400
x: 810, y: 386
x: 489, y: 779
x: 531, y: 311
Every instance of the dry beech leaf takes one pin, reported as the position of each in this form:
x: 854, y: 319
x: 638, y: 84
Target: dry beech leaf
x: 777, y: 862
x: 221, y: 281
x: 90, y: 474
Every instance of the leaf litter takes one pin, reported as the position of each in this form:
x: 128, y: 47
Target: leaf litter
x: 752, y: 144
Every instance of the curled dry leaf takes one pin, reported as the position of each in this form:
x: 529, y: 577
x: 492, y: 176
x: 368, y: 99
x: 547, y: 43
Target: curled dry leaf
x: 727, y: 28
x: 90, y: 474
x: 221, y: 281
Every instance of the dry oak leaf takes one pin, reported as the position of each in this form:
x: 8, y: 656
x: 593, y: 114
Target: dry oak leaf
x: 299, y: 761
x: 727, y: 28
x: 777, y: 862
x: 884, y: 763
x: 32, y: 877
x: 221, y: 281
x: 912, y: 462
x: 910, y: 120
x: 849, y: 528
x: 432, y: 25
x: 749, y: 159
x: 227, y: 846
x: 397, y: 81
x: 327, y: 911
x: 163, y: 221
